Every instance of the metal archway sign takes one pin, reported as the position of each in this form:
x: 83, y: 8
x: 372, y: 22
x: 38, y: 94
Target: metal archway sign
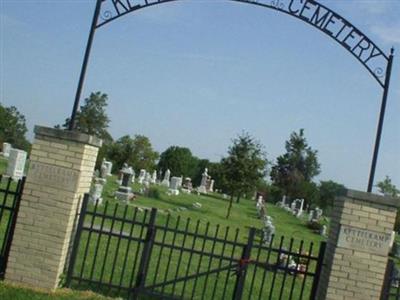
x: 374, y: 60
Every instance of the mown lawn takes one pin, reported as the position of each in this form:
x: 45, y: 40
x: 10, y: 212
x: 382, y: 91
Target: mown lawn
x: 3, y: 165
x: 13, y: 292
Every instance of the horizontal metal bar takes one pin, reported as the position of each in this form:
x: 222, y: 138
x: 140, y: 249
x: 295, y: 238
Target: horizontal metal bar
x: 283, y: 251
x: 7, y: 208
x: 189, y: 250
x: 191, y: 276
x: 9, y: 192
x: 117, y: 235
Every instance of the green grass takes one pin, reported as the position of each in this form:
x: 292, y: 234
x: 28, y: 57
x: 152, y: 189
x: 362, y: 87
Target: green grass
x: 3, y: 165
x: 214, y: 209
x: 14, y: 292
x: 103, y: 258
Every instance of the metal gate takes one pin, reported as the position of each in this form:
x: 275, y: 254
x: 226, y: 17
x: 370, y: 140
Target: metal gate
x: 122, y: 251
x: 10, y: 197
x: 391, y: 283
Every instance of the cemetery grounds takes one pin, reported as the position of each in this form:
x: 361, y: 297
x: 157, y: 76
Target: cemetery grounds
x: 102, y: 262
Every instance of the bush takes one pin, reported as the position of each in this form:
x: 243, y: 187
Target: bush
x: 317, y: 225
x: 154, y: 193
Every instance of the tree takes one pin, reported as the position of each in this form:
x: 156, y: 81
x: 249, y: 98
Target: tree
x: 92, y: 117
x: 137, y: 152
x: 13, y: 127
x: 244, y: 167
x: 386, y: 187
x: 328, y: 190
x: 298, y: 165
x: 179, y: 160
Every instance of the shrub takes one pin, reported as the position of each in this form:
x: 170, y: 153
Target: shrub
x: 154, y: 193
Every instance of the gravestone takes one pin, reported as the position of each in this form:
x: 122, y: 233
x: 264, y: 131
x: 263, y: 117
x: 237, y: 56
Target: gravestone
x: 297, y: 207
x: 187, y: 186
x: 154, y: 177
x: 268, y: 230
x: 16, y: 164
x: 260, y: 206
x: 174, y: 186
x: 211, y: 187
x: 96, y: 192
x: 282, y: 203
x: 142, y: 176
x: 124, y: 192
x: 6, y: 149
x: 204, y: 180
x: 109, y: 166
x: 147, y: 179
x: 180, y: 180
x: 165, y: 181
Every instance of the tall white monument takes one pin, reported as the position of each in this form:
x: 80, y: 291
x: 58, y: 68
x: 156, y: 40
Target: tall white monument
x: 16, y: 164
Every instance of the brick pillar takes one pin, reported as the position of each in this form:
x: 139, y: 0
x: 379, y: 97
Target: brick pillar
x: 358, y: 246
x: 60, y: 172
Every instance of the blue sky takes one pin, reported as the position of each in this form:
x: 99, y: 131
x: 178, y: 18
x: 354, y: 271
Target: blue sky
x: 197, y: 73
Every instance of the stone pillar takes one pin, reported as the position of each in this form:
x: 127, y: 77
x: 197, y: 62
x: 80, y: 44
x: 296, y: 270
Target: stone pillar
x: 60, y: 172
x: 358, y: 246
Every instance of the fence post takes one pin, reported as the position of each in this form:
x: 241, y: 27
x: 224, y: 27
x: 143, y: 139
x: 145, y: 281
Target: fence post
x: 318, y: 270
x: 242, y: 268
x: 388, y: 280
x: 146, y: 254
x: 77, y: 238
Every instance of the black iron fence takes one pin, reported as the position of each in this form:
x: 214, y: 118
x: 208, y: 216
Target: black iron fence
x: 138, y: 254
x: 391, y: 284
x: 10, y: 197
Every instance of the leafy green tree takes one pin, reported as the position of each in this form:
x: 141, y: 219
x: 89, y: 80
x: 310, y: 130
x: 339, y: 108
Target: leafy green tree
x: 386, y: 187
x: 328, y: 190
x: 179, y: 160
x: 13, y: 127
x: 137, y: 152
x: 92, y: 117
x: 298, y: 165
x: 244, y: 167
